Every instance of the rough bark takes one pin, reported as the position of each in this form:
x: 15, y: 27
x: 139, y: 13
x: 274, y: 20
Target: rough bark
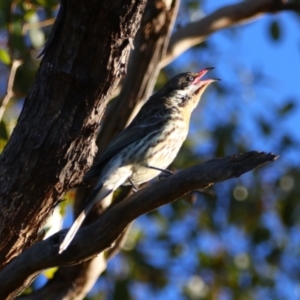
x: 54, y: 141
x: 100, y: 235
x: 150, y: 46
x: 72, y: 282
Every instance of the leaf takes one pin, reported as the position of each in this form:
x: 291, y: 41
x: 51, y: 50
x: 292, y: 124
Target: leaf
x: 28, y: 14
x: 265, y: 127
x: 36, y: 35
x: 193, y: 5
x: 286, y: 142
x: 3, y: 131
x: 260, y: 234
x: 49, y: 273
x: 287, y: 108
x: 16, y: 36
x: 275, y: 31
x: 4, y: 56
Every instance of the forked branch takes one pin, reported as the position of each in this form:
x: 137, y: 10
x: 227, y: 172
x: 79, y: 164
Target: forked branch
x: 195, y: 33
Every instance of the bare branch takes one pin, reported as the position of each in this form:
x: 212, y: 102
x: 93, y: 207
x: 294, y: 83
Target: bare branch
x: 9, y: 91
x: 195, y: 33
x: 41, y: 24
x: 100, y: 235
x: 227, y: 16
x: 67, y: 283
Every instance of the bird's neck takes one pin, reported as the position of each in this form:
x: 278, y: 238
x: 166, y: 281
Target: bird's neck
x: 185, y: 104
x: 186, y: 114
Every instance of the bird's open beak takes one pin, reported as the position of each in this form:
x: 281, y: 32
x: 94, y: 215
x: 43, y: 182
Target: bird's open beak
x: 198, y: 80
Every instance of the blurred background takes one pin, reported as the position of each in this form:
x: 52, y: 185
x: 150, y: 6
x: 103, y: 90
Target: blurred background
x: 239, y: 239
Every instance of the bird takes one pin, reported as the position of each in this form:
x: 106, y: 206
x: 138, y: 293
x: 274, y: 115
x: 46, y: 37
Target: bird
x: 148, y: 145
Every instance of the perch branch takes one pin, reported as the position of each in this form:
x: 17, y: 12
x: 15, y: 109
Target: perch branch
x: 101, y: 234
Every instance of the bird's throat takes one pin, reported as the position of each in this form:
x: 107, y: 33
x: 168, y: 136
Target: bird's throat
x: 186, y: 114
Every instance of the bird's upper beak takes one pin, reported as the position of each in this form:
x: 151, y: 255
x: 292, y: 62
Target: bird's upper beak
x: 197, y: 81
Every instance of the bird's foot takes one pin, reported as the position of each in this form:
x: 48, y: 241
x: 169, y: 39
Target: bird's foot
x: 135, y: 189
x: 165, y: 172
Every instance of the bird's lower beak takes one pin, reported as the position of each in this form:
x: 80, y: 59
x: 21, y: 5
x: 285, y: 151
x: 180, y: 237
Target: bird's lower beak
x: 197, y: 80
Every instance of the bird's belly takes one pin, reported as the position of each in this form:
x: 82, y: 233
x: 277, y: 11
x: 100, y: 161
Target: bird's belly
x: 159, y: 155
x: 115, y: 173
x: 143, y: 174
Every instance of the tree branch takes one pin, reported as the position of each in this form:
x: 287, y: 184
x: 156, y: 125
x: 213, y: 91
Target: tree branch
x: 9, y: 91
x: 227, y: 16
x: 150, y: 43
x: 100, y: 235
x: 67, y: 282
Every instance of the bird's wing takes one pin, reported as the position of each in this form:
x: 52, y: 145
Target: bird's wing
x: 136, y: 131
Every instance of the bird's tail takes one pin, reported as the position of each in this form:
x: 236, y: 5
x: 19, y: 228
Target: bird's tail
x: 97, y: 195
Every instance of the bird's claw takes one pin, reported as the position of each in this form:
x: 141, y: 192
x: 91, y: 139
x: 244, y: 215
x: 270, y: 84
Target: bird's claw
x: 165, y: 174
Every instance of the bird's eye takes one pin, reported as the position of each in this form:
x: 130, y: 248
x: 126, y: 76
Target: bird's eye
x: 190, y: 78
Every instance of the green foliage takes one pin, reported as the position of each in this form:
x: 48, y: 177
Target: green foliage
x: 275, y: 31
x: 3, y: 131
x: 3, y: 135
x: 287, y: 107
x: 4, y: 57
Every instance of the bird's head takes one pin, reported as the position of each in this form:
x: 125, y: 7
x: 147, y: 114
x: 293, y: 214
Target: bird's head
x: 185, y: 89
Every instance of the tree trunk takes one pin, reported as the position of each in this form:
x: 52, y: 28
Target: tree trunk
x: 150, y: 46
x: 53, y: 143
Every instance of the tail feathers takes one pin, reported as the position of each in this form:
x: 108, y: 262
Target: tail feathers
x: 96, y: 195
x: 72, y: 231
